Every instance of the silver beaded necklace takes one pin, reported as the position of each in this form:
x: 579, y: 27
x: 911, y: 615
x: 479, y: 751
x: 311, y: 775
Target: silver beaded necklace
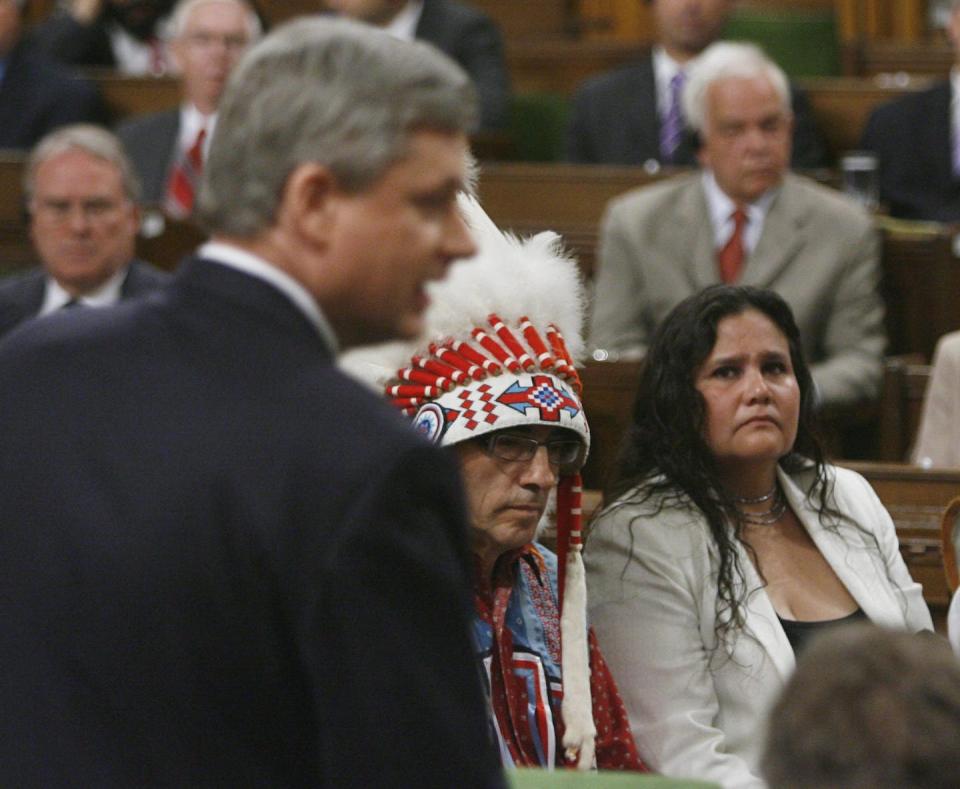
x: 777, y: 507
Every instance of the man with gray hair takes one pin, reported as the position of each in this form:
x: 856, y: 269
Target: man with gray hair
x: 82, y: 198
x: 224, y: 563
x: 169, y: 148
x: 745, y: 219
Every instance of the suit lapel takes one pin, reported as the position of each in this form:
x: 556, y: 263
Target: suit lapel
x: 940, y: 139
x: 782, y: 237
x: 429, y: 25
x: 639, y: 115
x: 692, y: 236
x: 850, y: 558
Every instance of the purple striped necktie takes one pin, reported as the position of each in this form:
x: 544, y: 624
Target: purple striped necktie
x: 671, y: 130
x: 956, y: 152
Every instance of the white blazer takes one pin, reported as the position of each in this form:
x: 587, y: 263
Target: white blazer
x: 698, y: 711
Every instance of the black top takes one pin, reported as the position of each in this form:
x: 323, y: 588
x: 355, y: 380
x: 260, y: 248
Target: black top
x: 799, y: 633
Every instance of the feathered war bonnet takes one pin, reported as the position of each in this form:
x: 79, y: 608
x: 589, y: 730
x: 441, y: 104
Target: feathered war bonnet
x: 498, y: 349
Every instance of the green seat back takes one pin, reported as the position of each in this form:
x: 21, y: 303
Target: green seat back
x: 538, y: 124
x: 573, y: 779
x: 803, y: 42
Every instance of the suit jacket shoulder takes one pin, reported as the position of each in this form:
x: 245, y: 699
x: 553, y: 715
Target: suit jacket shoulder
x: 150, y: 142
x: 143, y: 278
x: 613, y: 117
x: 68, y: 41
x: 654, y: 199
x: 802, y: 194
x: 911, y: 137
x: 938, y: 437
x: 37, y: 96
x: 472, y: 38
x: 21, y: 296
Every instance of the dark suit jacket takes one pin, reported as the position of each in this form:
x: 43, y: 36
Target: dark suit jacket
x: 151, y: 144
x: 614, y: 120
x: 224, y: 563
x: 472, y: 39
x: 37, y: 96
x: 21, y: 295
x: 911, y: 138
x: 64, y: 38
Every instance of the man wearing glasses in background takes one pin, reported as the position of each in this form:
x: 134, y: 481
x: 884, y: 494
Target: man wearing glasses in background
x: 82, y: 197
x: 169, y: 148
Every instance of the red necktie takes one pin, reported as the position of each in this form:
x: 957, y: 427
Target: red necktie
x: 185, y: 178
x: 731, y: 256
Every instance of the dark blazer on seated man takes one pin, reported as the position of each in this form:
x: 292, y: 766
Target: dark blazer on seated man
x: 913, y: 142
x: 472, y: 39
x: 614, y: 120
x: 465, y: 33
x: 151, y: 141
x: 38, y: 95
x: 22, y: 295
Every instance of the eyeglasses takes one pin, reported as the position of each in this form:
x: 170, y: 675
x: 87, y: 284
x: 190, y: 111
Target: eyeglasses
x: 61, y: 210
x: 234, y: 43
x: 564, y: 453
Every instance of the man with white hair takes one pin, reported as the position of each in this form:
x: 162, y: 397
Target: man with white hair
x: 224, y: 563
x: 745, y: 219
x: 916, y: 139
x: 169, y: 148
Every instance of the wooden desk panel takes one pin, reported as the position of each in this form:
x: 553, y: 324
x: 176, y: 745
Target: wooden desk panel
x: 15, y: 249
x: 915, y: 499
x: 567, y: 198
x: 921, y: 284
x: 561, y: 65
x: 126, y: 96
x: 931, y: 58
x: 842, y: 105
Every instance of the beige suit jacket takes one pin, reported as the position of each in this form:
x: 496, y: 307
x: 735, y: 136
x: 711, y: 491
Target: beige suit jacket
x: 696, y: 711
x: 938, y: 439
x: 817, y: 249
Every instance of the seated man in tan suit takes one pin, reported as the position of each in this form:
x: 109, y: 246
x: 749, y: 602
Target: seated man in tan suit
x: 745, y: 219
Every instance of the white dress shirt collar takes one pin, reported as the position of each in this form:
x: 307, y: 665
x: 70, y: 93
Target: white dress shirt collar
x: 191, y: 122
x: 721, y: 209
x: 105, y: 295
x: 248, y: 263
x: 664, y: 70
x: 404, y: 24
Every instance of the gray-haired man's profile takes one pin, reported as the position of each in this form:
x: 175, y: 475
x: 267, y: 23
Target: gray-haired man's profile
x: 222, y: 562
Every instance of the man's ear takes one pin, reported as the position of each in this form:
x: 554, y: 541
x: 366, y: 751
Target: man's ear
x: 309, y: 199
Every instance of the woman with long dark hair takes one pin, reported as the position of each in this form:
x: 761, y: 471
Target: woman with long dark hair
x: 727, y: 540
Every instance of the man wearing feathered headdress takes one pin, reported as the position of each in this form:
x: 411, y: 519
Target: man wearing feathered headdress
x: 493, y: 378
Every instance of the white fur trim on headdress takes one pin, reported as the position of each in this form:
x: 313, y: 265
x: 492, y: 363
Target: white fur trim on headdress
x: 500, y: 339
